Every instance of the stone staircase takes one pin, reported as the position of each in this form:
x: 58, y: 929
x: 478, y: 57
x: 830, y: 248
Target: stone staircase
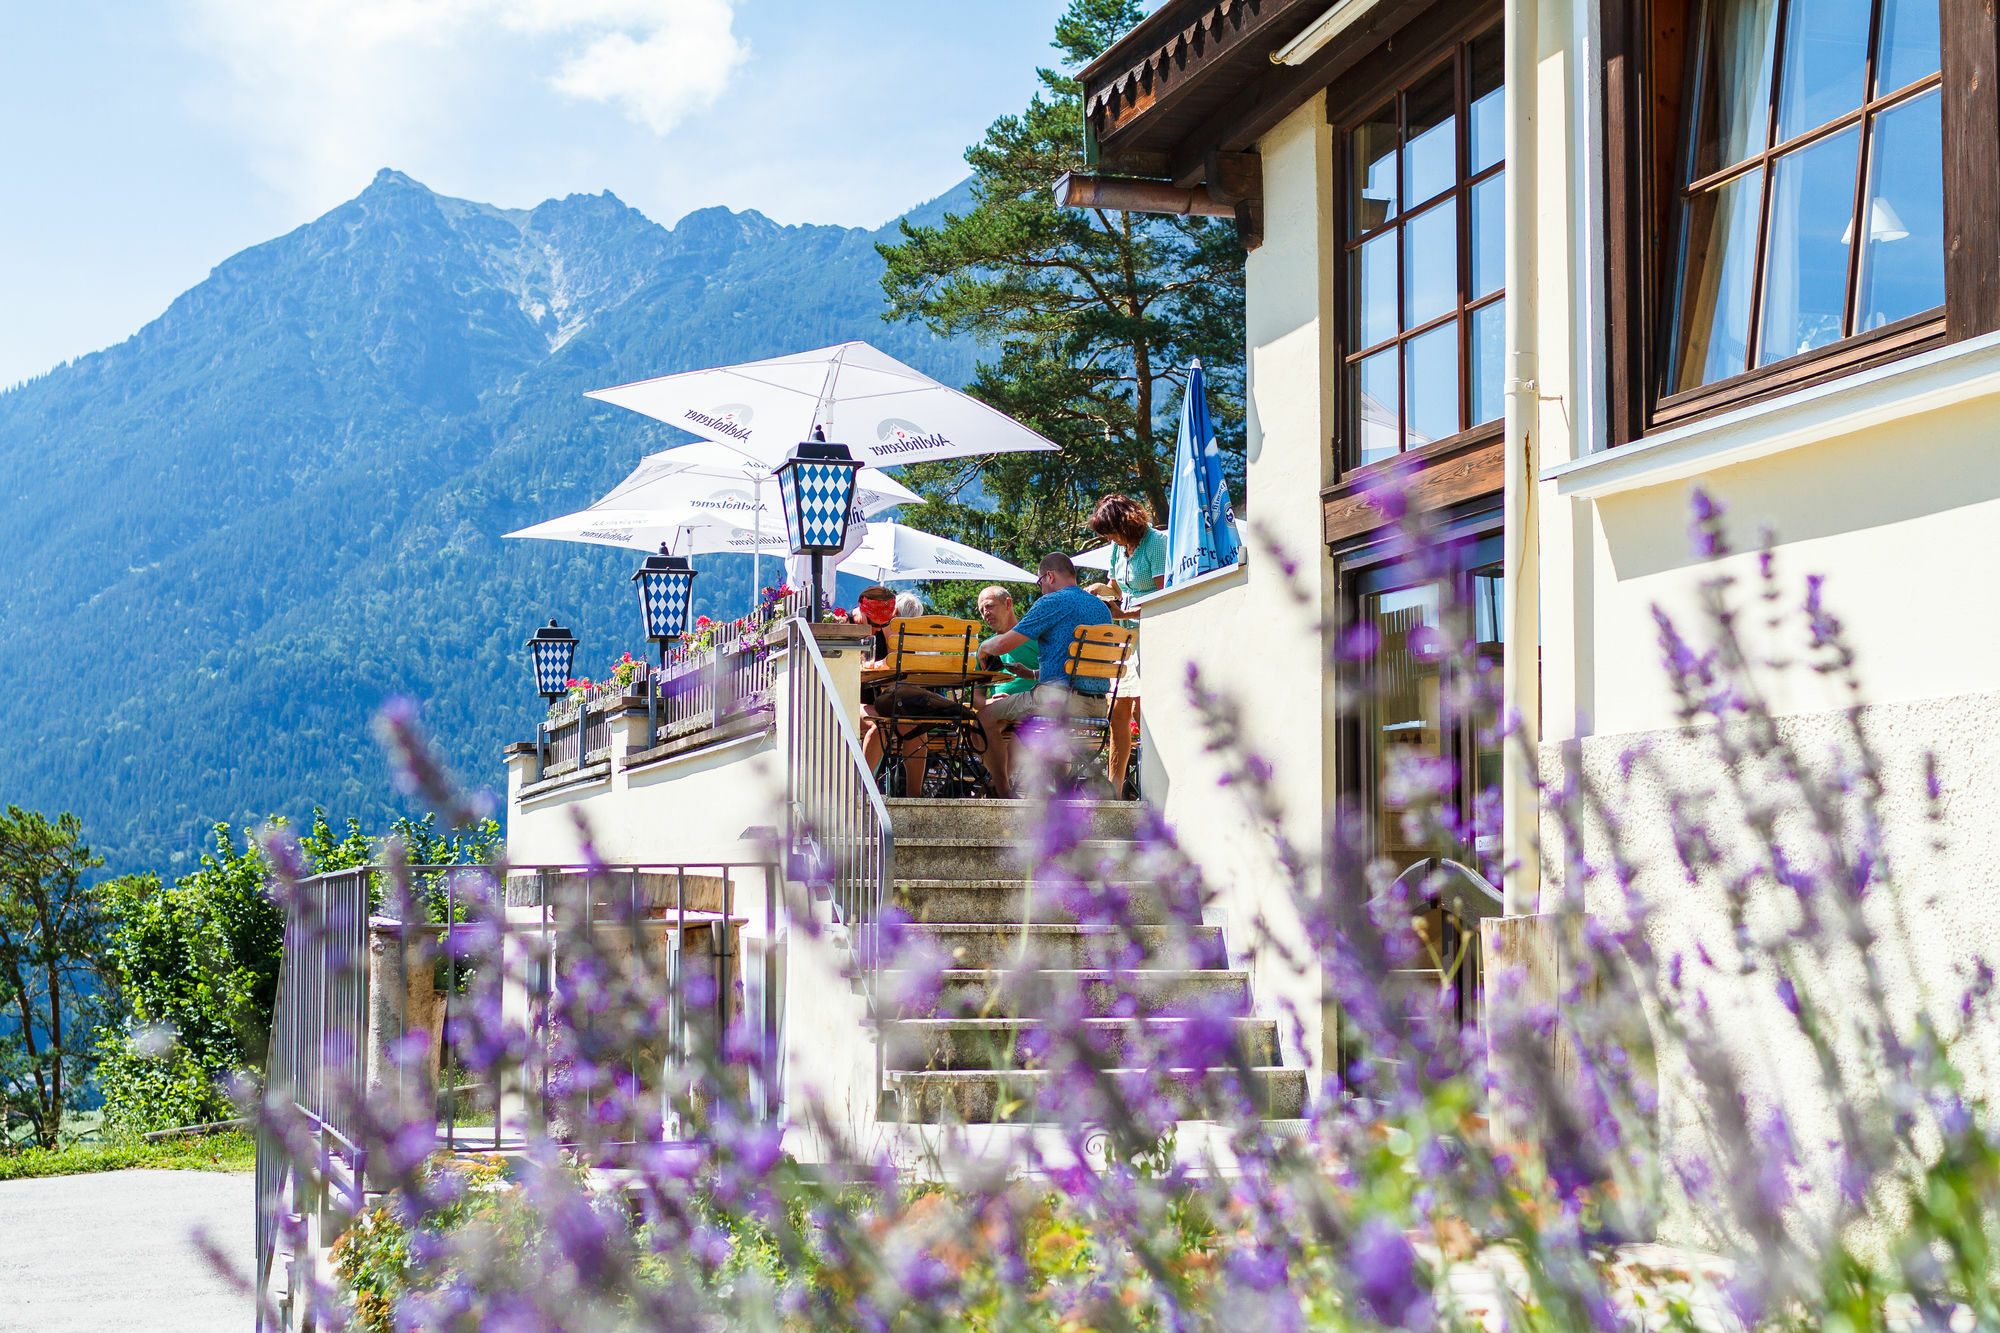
x: 959, y: 1056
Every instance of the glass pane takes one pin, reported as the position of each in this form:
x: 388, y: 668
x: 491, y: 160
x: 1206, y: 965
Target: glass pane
x: 1712, y: 318
x: 1805, y: 263
x: 1909, y: 44
x: 1489, y: 235
x: 1430, y: 386
x: 1430, y: 152
x: 1826, y: 59
x: 1489, y: 755
x: 1408, y: 716
x: 1375, y: 291
x: 1372, y: 397
x: 1374, y: 148
x: 1430, y: 264
x: 1733, y: 92
x: 1488, y: 102
x: 1489, y: 362
x: 1902, y: 266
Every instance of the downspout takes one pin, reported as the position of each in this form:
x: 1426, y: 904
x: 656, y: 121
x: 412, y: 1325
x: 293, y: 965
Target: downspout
x: 1520, y: 677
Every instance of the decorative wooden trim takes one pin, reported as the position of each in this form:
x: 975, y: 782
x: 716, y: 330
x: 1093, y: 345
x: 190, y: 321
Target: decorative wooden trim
x: 1971, y: 113
x: 1172, y: 68
x: 1463, y: 468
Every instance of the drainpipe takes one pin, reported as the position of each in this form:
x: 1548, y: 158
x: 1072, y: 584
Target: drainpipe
x: 1520, y: 680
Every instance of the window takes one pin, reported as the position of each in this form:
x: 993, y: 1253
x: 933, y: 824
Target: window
x: 1811, y: 190
x: 1425, y: 222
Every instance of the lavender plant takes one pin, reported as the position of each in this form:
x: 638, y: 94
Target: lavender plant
x: 1521, y: 1170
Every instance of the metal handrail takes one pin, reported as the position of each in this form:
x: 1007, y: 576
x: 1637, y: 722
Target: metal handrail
x: 316, y: 1066
x: 838, y: 825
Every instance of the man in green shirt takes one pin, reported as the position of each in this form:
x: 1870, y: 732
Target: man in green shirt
x: 996, y: 608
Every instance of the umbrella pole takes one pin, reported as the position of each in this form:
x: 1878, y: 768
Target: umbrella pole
x: 757, y: 542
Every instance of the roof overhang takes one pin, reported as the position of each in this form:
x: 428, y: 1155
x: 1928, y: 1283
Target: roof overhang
x: 1200, y: 80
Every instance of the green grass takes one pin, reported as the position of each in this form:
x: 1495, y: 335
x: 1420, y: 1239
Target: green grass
x: 212, y: 1152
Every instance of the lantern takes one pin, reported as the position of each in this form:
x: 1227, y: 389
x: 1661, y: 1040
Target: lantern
x: 552, y: 653
x: 816, y: 486
x: 666, y: 596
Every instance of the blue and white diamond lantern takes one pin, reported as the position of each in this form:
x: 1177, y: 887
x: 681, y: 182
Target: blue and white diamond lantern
x: 552, y: 653
x: 666, y: 595
x: 816, y: 484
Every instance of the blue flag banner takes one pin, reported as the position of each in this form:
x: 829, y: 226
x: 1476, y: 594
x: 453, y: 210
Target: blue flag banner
x: 1201, y: 520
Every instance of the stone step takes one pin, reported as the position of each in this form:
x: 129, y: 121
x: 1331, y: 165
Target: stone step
x: 986, y: 857
x: 1063, y: 946
x: 993, y: 993
x: 1004, y: 900
x: 986, y: 1097
x: 996, y: 1043
x: 916, y: 817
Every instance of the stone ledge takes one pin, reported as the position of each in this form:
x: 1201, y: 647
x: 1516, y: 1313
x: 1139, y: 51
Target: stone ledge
x: 733, y: 730
x: 575, y: 777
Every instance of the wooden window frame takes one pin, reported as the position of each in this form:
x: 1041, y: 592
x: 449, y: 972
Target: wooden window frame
x: 1408, y: 55
x: 1647, y: 44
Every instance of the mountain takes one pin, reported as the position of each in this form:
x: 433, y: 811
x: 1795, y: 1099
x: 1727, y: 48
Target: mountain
x: 225, y: 540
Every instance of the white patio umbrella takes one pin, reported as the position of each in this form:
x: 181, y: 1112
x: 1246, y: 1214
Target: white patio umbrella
x: 892, y: 552
x: 715, y: 478
x: 684, y: 530
x: 883, y: 410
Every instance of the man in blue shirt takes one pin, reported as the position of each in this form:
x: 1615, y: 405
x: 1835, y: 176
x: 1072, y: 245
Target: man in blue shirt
x: 1051, y: 622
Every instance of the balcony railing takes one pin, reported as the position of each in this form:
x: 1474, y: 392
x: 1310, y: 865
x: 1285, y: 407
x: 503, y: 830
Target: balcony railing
x: 486, y: 949
x: 695, y: 690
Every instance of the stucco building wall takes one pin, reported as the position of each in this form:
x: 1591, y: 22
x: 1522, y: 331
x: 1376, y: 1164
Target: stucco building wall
x: 1248, y: 633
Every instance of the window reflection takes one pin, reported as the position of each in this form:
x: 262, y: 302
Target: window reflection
x: 1430, y: 264
x: 1805, y: 270
x: 1721, y: 249
x: 1910, y: 47
x: 1733, y: 83
x: 1826, y: 59
x: 1408, y: 713
x: 1431, y: 412
x: 1374, y: 144
x: 1770, y: 216
x: 1430, y: 153
x: 1902, y: 260
x: 1426, y: 250
x: 1489, y: 358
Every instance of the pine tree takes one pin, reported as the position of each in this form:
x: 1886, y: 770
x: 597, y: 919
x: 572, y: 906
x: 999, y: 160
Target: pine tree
x: 1090, y: 318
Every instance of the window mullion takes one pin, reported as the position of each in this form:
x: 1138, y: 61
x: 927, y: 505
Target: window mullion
x: 1753, y: 333
x: 1860, y: 216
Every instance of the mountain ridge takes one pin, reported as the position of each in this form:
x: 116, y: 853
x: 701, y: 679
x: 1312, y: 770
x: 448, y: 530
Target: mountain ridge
x: 228, y: 536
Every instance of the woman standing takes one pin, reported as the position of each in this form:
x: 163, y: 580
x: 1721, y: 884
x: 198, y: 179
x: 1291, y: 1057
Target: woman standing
x: 1138, y: 549
x: 1138, y: 567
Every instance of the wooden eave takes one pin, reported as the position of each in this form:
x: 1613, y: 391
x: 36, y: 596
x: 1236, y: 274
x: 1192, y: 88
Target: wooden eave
x: 1196, y: 78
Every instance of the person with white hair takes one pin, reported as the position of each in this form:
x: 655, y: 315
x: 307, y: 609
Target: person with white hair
x: 908, y: 606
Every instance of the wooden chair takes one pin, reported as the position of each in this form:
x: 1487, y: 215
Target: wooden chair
x: 926, y: 652
x: 1097, y: 652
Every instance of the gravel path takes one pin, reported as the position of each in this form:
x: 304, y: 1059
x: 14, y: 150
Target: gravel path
x: 113, y: 1251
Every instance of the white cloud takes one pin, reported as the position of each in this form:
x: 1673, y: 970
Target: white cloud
x: 328, y: 90
x: 681, y: 65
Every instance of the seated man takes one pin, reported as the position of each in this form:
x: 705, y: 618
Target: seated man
x: 996, y: 608
x: 1050, y: 623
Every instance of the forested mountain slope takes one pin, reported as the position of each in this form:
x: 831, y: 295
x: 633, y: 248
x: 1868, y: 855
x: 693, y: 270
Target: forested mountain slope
x: 225, y: 540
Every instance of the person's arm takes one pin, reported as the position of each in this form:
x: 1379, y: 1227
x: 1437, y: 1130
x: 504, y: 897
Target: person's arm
x: 1002, y: 642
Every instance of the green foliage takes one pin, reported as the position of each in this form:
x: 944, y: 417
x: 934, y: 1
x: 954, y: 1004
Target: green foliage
x: 52, y: 934
x: 210, y: 1152
x: 1093, y: 316
x: 283, y: 500
x: 197, y: 964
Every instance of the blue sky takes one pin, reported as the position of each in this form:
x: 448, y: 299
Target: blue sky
x: 143, y: 141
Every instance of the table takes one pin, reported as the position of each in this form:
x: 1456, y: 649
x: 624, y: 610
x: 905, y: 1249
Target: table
x: 933, y: 680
